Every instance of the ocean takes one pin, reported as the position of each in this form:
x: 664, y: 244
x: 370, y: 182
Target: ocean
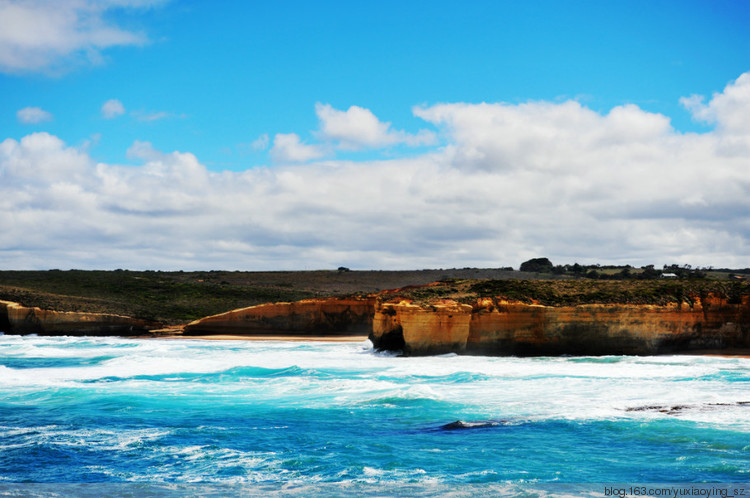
x: 312, y: 418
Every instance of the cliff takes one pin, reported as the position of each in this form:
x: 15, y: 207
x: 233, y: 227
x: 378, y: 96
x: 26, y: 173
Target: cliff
x: 489, y: 317
x: 500, y: 327
x: 436, y: 328
x: 334, y: 316
x: 17, y: 319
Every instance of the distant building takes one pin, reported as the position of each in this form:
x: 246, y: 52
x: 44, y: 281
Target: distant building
x: 668, y: 275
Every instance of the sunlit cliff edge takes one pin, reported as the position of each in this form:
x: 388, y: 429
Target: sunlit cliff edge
x: 505, y: 318
x: 470, y: 317
x: 497, y: 327
x: 18, y: 319
x: 339, y: 316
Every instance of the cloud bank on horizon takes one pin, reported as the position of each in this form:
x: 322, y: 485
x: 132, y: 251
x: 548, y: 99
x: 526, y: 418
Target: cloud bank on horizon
x: 477, y: 184
x: 510, y: 181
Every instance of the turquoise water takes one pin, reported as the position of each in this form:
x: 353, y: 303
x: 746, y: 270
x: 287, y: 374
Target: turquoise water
x: 93, y: 410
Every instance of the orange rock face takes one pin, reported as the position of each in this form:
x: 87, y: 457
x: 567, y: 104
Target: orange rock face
x: 442, y: 327
x: 512, y: 328
x: 595, y: 329
x: 310, y: 316
x: 17, y: 319
x: 488, y: 326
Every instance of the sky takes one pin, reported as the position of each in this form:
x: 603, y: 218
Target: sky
x: 298, y: 135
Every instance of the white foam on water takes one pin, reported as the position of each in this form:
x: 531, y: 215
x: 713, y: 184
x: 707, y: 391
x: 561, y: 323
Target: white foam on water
x: 100, y: 439
x: 347, y: 374
x: 248, y: 466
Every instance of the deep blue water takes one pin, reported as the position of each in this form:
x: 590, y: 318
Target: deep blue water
x: 108, y: 410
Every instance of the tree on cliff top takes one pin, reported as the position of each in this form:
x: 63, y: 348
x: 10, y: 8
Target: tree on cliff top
x: 537, y: 265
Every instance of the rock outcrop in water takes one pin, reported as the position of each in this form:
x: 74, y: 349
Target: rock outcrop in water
x: 334, y: 316
x: 437, y: 328
x: 17, y: 319
x: 578, y: 318
x: 495, y: 327
x: 501, y: 327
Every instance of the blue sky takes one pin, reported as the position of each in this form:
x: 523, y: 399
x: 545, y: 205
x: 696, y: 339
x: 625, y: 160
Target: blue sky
x: 268, y: 89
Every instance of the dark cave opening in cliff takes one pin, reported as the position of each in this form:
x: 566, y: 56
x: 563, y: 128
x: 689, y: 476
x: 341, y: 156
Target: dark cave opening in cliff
x: 4, y: 322
x: 392, y: 341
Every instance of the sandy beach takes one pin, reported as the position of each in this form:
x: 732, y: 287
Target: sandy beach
x: 728, y: 353
x: 255, y: 337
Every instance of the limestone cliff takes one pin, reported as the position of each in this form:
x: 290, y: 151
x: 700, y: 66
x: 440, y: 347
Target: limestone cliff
x: 499, y: 327
x: 17, y: 319
x: 440, y: 327
x: 311, y: 316
x: 472, y: 317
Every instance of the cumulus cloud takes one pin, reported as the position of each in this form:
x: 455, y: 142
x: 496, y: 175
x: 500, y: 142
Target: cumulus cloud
x: 542, y: 135
x: 42, y: 158
x: 33, y: 115
x: 354, y: 129
x: 358, y: 128
x: 260, y: 143
x: 51, y: 35
x: 727, y: 110
x: 112, y: 109
x: 152, y: 115
x: 511, y: 182
x: 287, y: 147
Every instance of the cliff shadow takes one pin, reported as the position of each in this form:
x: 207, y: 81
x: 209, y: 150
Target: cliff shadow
x: 393, y: 340
x: 4, y: 321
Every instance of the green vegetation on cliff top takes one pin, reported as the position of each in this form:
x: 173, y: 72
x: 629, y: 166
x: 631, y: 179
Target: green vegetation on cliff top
x: 575, y: 292
x: 179, y: 297
x: 170, y: 297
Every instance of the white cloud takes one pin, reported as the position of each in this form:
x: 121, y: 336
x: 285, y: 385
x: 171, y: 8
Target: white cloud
x: 354, y: 129
x: 33, y: 115
x: 512, y: 182
x: 112, y: 109
x: 287, y: 148
x: 260, y: 143
x: 40, y: 159
x: 151, y: 116
x: 728, y: 109
x: 52, y: 35
x: 542, y: 135
x: 358, y: 128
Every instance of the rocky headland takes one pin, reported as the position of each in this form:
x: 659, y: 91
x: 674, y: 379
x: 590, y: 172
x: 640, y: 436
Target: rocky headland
x: 516, y: 318
x: 482, y: 317
x: 330, y: 316
x: 500, y: 327
x: 24, y: 320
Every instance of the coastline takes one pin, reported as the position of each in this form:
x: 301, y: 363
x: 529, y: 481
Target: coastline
x: 472, y: 317
x: 726, y: 353
x: 259, y: 337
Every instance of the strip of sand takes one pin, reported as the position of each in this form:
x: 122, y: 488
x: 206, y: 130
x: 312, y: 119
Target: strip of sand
x: 727, y: 353
x: 288, y: 338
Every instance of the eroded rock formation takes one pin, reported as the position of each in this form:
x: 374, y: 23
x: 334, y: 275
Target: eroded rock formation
x: 511, y: 328
x: 441, y: 327
x: 17, y: 319
x: 332, y: 316
x: 488, y: 326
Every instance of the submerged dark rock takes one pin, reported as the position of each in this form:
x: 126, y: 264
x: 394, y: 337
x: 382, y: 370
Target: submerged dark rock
x: 676, y: 409
x: 461, y: 425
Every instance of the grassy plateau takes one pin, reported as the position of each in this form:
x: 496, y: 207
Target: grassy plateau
x: 180, y: 297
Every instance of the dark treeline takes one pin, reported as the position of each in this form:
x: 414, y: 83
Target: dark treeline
x: 628, y: 272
